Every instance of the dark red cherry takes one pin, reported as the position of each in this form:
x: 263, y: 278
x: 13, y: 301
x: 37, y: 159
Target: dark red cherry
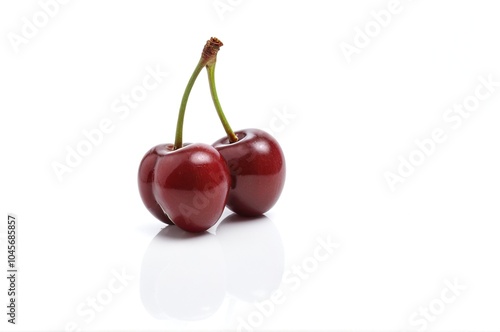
x: 145, y: 180
x: 186, y: 184
x: 254, y: 157
x: 191, y: 185
x: 257, y: 166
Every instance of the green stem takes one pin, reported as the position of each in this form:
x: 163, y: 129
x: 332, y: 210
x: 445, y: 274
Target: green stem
x: 182, y: 110
x: 213, y: 91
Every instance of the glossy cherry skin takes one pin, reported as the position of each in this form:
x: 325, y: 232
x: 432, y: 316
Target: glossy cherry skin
x: 257, y: 166
x: 145, y: 181
x: 191, y: 185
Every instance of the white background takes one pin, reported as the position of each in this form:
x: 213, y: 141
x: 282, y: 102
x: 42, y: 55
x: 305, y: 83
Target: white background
x: 348, y: 120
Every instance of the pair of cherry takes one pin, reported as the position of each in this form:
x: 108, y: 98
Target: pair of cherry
x: 189, y: 185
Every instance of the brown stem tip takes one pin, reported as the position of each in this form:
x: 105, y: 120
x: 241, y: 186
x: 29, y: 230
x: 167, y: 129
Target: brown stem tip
x: 210, y: 50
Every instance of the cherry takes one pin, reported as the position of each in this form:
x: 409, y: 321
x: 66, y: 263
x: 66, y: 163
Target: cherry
x: 186, y: 184
x: 191, y: 184
x: 257, y: 168
x: 255, y: 160
x: 146, y: 177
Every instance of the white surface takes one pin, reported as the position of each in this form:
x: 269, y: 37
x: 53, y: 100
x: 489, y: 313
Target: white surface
x: 398, y: 251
